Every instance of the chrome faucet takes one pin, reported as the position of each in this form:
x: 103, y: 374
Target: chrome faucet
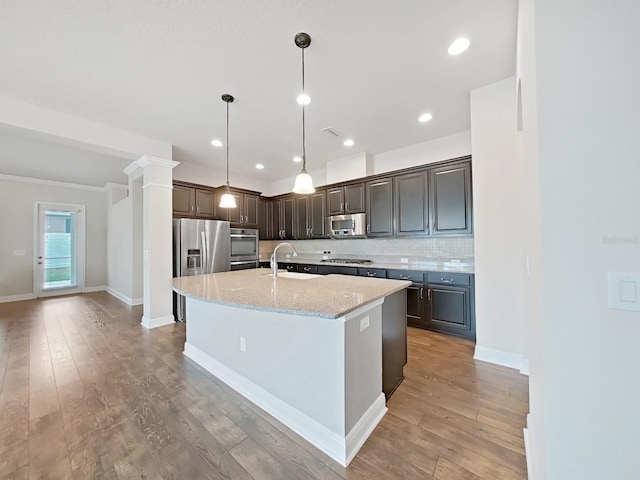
x: 274, y: 263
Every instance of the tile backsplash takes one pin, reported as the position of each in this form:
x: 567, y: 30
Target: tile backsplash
x: 441, y: 249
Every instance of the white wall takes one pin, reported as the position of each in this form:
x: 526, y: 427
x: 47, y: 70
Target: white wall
x: 17, y: 233
x: 451, y: 146
x: 190, y: 172
x: 587, y: 104
x: 498, y: 214
x: 119, y: 246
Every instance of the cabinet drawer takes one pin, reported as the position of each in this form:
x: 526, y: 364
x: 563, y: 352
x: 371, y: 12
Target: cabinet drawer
x: 330, y: 269
x: 372, y: 272
x: 445, y: 278
x: 415, y: 276
x: 307, y: 268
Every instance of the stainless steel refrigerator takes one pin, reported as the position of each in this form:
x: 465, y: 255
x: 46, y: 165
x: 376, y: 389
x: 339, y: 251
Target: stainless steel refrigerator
x: 199, y: 247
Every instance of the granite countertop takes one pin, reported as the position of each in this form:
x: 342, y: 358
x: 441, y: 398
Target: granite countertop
x: 327, y: 296
x: 424, y: 266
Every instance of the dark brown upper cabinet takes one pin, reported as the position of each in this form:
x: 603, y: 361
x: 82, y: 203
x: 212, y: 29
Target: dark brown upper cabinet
x: 379, y: 194
x: 246, y: 212
x: 190, y: 200
x: 412, y: 204
x: 450, y: 189
x: 347, y: 199
x: 310, y: 216
x: 264, y: 218
x: 283, y: 217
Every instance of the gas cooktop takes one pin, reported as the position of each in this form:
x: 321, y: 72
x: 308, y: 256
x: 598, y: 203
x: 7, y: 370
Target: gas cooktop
x: 360, y: 261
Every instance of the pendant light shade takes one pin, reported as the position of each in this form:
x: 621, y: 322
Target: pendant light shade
x: 227, y: 200
x: 304, y: 183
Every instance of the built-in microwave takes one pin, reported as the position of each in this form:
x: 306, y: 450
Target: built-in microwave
x: 353, y: 225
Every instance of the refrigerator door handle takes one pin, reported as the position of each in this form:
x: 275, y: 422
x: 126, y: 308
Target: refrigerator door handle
x: 204, y: 252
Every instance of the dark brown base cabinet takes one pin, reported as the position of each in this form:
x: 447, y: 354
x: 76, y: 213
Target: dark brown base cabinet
x: 449, y: 304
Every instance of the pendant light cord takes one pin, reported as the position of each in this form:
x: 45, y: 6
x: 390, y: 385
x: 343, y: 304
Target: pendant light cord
x: 227, y: 147
x: 304, y: 141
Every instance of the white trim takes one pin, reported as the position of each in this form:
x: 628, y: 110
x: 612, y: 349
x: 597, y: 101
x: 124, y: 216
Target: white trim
x: 123, y: 298
x: 498, y: 357
x: 341, y: 449
x: 97, y: 288
x: 132, y: 167
x: 55, y: 183
x: 147, y: 159
x: 524, y: 367
x: 115, y: 186
x: 17, y: 298
x: 363, y: 428
x: 150, y: 323
x: 161, y: 185
x: 527, y: 452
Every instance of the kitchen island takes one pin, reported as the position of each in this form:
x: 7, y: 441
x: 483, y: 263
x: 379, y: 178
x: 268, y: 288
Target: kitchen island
x: 307, y: 349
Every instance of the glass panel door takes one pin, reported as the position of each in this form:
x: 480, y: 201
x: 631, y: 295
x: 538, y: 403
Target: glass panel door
x: 61, y: 250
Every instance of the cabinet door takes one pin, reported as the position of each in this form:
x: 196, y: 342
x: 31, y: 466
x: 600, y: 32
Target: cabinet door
x: 288, y: 218
x: 380, y: 208
x: 354, y: 198
x: 415, y: 306
x: 275, y: 232
x: 234, y: 214
x: 302, y: 217
x: 183, y: 200
x: 335, y: 201
x: 451, y: 200
x: 264, y: 218
x: 250, y: 210
x: 449, y: 310
x: 318, y: 215
x: 205, y: 203
x: 411, y: 206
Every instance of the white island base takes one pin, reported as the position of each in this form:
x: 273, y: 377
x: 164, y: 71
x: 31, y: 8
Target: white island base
x: 321, y: 377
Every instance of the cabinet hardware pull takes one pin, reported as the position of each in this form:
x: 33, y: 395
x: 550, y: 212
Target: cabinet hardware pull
x: 421, y: 293
x: 405, y: 277
x: 341, y: 206
x: 346, y: 206
x: 311, y: 232
x: 368, y: 229
x: 191, y: 208
x: 446, y: 281
x: 428, y: 294
x: 371, y: 274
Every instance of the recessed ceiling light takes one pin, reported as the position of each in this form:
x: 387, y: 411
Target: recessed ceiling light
x: 297, y: 159
x: 348, y: 142
x: 425, y: 117
x: 303, y: 99
x: 216, y: 143
x: 458, y: 46
x: 259, y: 166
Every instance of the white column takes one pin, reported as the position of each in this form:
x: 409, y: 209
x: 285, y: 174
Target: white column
x: 157, y: 183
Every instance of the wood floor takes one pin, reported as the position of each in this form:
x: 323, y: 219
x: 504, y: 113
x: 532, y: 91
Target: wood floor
x: 88, y: 393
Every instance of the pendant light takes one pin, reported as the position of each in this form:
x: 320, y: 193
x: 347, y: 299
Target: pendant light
x: 227, y: 200
x: 304, y: 183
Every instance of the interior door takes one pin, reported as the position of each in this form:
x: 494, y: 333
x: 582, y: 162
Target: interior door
x: 60, y: 249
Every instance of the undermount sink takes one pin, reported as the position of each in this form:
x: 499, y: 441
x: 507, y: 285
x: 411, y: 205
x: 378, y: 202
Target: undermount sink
x: 299, y: 276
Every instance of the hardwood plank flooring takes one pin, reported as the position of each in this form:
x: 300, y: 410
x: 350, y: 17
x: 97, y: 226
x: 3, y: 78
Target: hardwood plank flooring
x: 86, y: 392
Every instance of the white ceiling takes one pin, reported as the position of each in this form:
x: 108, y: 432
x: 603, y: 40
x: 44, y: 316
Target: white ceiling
x: 158, y: 68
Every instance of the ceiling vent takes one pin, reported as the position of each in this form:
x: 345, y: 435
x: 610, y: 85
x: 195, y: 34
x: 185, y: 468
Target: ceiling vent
x: 332, y: 131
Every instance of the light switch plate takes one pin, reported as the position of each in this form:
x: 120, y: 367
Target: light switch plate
x: 624, y: 291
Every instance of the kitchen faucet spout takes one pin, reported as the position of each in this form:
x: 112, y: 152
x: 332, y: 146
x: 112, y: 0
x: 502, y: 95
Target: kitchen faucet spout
x: 274, y: 263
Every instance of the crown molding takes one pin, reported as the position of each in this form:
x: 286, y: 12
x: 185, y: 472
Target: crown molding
x: 54, y: 183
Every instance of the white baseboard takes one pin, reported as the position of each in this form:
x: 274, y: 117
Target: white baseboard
x: 341, y: 449
x: 150, y: 323
x: 123, y: 298
x: 498, y: 357
x: 17, y: 298
x: 99, y: 288
x: 363, y: 427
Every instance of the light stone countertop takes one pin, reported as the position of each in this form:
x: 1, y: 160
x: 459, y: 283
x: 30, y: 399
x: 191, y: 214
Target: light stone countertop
x: 327, y: 296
